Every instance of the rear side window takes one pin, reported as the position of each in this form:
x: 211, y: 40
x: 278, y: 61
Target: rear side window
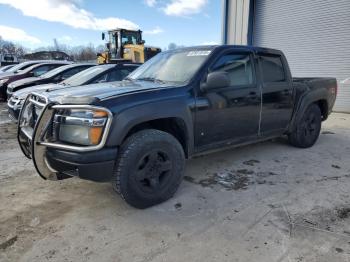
x: 238, y: 67
x: 272, y: 69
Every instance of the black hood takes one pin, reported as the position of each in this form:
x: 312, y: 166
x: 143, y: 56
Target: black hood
x: 93, y: 93
x: 22, y: 93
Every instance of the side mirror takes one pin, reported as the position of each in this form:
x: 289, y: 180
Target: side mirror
x: 31, y: 74
x: 143, y: 42
x: 218, y: 79
x: 103, y: 36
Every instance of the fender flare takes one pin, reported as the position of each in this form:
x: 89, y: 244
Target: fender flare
x: 128, y: 118
x: 304, y: 102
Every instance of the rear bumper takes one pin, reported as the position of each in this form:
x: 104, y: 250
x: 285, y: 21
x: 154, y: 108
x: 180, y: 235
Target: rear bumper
x: 96, y: 165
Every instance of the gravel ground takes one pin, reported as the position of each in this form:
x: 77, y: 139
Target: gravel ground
x: 264, y: 202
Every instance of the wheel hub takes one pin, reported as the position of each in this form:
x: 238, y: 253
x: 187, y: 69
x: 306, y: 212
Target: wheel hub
x: 153, y: 170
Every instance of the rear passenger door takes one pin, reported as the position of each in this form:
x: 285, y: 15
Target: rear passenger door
x: 277, y: 94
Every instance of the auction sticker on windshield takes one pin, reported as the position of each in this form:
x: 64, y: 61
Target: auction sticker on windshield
x: 199, y: 53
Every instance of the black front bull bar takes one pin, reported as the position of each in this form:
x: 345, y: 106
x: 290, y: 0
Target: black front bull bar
x: 33, y: 122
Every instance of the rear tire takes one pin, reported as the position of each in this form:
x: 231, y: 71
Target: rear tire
x: 149, y: 168
x: 307, y: 129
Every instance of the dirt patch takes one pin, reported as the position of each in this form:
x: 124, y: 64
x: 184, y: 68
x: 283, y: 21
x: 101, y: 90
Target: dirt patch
x: 336, y: 166
x: 339, y: 250
x: 230, y: 180
x: 343, y: 212
x: 31, y: 223
x: 251, y: 162
x: 178, y: 206
x: 238, y: 179
x: 331, y: 220
x: 8, y: 243
x: 325, y: 178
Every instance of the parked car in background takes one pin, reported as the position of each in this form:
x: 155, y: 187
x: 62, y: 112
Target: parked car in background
x: 181, y: 103
x: 54, y: 76
x: 97, y: 74
x: 33, y: 70
x: 19, y: 67
x: 5, y: 68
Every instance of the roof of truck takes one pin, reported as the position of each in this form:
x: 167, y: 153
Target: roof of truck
x: 255, y: 49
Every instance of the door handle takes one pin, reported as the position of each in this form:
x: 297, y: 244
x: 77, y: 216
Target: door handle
x: 252, y: 95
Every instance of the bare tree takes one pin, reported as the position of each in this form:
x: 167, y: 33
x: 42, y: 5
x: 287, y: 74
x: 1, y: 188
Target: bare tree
x: 7, y: 47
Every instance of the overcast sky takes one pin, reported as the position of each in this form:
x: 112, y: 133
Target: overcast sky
x: 74, y: 22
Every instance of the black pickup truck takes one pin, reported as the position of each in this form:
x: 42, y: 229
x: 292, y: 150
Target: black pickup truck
x: 137, y: 133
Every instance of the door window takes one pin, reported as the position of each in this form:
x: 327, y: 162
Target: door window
x: 118, y: 74
x: 272, y: 69
x: 101, y: 79
x: 70, y: 72
x: 238, y: 68
x: 38, y: 71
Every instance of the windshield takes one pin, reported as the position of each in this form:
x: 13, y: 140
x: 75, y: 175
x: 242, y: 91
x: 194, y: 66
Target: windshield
x: 175, y: 66
x: 85, y: 75
x: 129, y: 38
x: 55, y: 71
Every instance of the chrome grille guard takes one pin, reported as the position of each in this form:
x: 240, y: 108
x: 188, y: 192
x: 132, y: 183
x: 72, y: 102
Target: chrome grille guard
x: 34, y: 123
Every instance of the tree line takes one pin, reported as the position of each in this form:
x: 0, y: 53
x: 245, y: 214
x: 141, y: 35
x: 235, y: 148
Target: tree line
x: 77, y: 53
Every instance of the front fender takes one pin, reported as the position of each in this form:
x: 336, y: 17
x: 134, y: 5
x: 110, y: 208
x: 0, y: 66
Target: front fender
x: 125, y: 120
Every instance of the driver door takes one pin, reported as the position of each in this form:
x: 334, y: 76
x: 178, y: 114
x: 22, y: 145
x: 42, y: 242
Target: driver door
x: 229, y: 115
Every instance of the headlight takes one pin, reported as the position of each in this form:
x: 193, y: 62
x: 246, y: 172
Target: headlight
x: 3, y: 81
x: 126, y: 50
x: 80, y: 126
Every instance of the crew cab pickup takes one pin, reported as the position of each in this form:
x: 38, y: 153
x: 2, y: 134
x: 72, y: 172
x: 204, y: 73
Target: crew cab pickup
x: 137, y: 133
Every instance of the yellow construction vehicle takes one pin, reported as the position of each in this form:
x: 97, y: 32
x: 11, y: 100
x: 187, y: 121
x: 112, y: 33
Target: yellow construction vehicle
x: 126, y: 45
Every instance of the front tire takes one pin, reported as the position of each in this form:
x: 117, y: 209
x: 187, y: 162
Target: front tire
x: 149, y: 168
x: 308, y: 128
